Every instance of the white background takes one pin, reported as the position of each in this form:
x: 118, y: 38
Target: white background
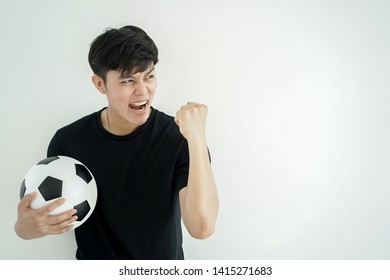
x: 298, y: 124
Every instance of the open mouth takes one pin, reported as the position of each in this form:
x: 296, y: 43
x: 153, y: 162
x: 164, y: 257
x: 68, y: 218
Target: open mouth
x: 138, y: 106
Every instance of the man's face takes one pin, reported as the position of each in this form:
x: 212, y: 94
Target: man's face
x: 130, y: 96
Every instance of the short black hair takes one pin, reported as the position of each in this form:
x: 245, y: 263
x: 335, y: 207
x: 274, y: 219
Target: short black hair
x: 127, y: 49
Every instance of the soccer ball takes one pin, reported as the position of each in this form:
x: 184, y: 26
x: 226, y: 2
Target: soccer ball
x: 62, y: 176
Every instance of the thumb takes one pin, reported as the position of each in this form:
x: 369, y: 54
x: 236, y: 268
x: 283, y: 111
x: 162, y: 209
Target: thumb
x: 26, y: 200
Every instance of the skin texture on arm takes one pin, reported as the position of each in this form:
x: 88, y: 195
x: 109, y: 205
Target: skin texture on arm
x: 36, y: 223
x: 199, y: 200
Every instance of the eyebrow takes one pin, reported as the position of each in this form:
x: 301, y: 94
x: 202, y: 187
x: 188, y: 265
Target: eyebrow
x: 124, y: 76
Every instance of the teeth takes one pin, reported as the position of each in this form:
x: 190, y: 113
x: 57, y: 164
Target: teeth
x: 139, y: 103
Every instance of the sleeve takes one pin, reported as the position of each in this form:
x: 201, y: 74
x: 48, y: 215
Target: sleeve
x: 54, y: 148
x: 183, y: 166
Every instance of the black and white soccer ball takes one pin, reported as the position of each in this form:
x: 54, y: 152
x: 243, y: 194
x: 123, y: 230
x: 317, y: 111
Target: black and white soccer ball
x: 62, y: 176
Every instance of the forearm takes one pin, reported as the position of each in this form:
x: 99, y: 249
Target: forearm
x: 200, y: 203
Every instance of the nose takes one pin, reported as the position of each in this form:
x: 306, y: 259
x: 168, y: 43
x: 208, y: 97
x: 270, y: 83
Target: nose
x: 141, y: 89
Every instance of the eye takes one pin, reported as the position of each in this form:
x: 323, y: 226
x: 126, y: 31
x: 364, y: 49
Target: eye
x: 150, y: 76
x: 127, y: 81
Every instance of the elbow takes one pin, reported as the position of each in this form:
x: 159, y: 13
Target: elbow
x: 202, y: 230
x: 202, y: 235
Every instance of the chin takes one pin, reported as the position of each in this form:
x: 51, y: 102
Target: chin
x: 139, y: 117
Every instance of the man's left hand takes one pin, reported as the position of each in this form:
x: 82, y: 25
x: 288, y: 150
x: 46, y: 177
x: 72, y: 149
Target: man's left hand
x: 191, y: 119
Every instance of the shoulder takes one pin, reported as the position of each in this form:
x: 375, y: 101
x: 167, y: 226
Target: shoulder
x: 166, y: 124
x: 161, y: 117
x: 72, y: 135
x: 81, y: 125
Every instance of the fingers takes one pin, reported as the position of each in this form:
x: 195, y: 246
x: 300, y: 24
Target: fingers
x: 63, y: 217
x: 57, y: 224
x: 50, y: 207
x: 58, y: 221
x: 191, y: 106
x: 63, y: 226
x: 195, y: 104
x: 35, y: 223
x: 191, y: 119
x: 61, y: 230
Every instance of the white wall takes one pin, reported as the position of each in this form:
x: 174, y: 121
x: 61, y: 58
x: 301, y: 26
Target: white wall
x: 298, y: 126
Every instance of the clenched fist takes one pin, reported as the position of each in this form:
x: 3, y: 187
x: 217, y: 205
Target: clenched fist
x: 191, y: 119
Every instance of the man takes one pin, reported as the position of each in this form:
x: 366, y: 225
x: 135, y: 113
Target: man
x: 151, y: 169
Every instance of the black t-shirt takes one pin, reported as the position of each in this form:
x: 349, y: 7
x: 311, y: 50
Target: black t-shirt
x: 138, y: 176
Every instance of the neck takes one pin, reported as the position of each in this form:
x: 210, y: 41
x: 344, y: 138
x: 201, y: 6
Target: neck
x: 112, y: 125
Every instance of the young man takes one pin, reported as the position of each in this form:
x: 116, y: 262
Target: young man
x: 151, y: 169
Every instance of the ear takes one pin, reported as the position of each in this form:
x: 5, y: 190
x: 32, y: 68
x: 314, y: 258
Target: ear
x: 99, y: 83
